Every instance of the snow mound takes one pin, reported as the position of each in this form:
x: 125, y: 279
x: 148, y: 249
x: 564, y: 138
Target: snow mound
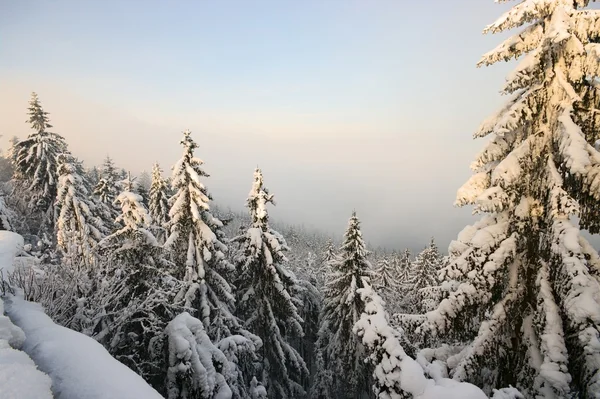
x: 19, y: 378
x: 79, y: 366
x: 10, y: 245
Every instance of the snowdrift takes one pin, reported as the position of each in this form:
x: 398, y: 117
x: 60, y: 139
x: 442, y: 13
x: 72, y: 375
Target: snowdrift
x: 19, y: 377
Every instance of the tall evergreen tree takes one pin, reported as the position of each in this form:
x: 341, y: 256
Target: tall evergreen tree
x: 385, y: 278
x: 106, y: 191
x: 326, y: 258
x: 424, y: 274
x: 527, y: 296
x: 134, y: 295
x: 159, y: 198
x: 144, y: 183
x: 196, y: 242
x: 342, y: 371
x: 35, y: 161
x: 267, y: 297
x: 77, y: 229
x: 403, y: 266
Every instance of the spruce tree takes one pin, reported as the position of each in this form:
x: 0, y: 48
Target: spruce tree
x: 134, y: 295
x: 106, y: 191
x: 196, y: 243
x: 267, y: 297
x: 527, y: 294
x: 77, y: 229
x: 384, y: 276
x: 403, y: 266
x: 424, y: 274
x: 342, y: 371
x: 324, y: 268
x: 144, y: 183
x: 35, y: 161
x: 159, y: 198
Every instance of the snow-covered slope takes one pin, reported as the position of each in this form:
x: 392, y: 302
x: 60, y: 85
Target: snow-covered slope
x: 77, y: 366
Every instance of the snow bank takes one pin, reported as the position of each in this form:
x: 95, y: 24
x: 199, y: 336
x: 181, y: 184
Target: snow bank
x: 19, y: 377
x: 79, y: 366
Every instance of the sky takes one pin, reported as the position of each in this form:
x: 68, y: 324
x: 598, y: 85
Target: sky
x: 344, y: 104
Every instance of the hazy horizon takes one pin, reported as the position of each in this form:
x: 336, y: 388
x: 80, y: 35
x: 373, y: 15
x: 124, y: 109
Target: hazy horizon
x: 344, y: 105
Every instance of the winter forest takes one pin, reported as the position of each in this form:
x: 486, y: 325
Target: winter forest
x: 115, y: 285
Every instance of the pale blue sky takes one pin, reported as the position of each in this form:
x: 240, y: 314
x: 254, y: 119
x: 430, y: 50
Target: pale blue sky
x: 366, y: 105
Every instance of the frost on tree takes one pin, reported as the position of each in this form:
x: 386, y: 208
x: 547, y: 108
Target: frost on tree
x: 35, y: 162
x: 159, y: 199
x: 267, y: 297
x: 77, y: 229
x: 342, y: 372
x: 196, y: 242
x: 524, y: 270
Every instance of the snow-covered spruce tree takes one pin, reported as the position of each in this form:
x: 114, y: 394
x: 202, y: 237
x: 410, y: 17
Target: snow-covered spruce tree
x: 327, y: 256
x: 144, y: 182
x: 267, y: 300
x: 423, y: 275
x: 35, y: 162
x: 133, y: 296
x: 196, y: 367
x: 524, y: 270
x: 342, y: 372
x: 396, y: 375
x: 403, y: 266
x: 77, y: 229
x: 384, y: 276
x: 196, y: 244
x: 159, y: 200
x: 105, y: 193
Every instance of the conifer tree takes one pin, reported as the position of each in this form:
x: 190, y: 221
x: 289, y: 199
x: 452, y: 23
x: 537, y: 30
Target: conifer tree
x: 143, y: 187
x: 77, y: 229
x: 327, y: 257
x: 403, y: 266
x: 385, y: 276
x: 196, y: 242
x: 527, y: 295
x: 35, y: 161
x: 424, y: 274
x: 342, y: 371
x: 134, y: 295
x: 106, y: 191
x: 159, y: 198
x: 267, y: 297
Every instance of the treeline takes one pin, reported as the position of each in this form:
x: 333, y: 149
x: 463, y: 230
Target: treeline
x: 197, y: 300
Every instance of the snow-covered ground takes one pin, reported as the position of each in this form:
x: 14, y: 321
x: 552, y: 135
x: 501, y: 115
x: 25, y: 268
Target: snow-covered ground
x: 77, y: 366
x: 19, y: 377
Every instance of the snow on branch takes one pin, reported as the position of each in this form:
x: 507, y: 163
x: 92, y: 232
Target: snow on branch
x: 525, y: 12
x: 193, y: 359
x: 514, y: 46
x: 396, y: 375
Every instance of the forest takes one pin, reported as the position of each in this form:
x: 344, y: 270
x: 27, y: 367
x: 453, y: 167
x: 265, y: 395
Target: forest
x: 206, y: 302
